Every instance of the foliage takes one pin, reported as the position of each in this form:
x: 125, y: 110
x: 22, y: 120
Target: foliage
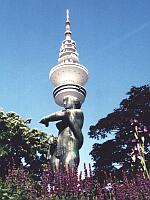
x: 127, y: 135
x: 67, y: 185
x: 17, y: 186
x: 21, y: 144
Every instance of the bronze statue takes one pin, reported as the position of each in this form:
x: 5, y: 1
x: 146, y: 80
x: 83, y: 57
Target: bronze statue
x: 70, y: 137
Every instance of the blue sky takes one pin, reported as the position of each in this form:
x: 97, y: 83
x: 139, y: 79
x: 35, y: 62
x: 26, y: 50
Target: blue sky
x: 113, y: 40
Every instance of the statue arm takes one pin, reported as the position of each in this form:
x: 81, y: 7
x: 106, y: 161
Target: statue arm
x: 53, y: 117
x: 78, y: 134
x: 76, y: 127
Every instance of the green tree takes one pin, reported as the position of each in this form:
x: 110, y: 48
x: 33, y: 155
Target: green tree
x: 130, y: 125
x: 21, y: 144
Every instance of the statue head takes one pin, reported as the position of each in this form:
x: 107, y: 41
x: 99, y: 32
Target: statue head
x: 71, y: 102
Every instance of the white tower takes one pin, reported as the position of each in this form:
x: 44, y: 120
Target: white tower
x: 68, y: 76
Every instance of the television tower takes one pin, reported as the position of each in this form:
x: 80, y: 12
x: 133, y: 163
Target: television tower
x: 68, y: 76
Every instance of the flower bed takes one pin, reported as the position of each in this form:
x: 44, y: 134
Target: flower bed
x: 67, y: 184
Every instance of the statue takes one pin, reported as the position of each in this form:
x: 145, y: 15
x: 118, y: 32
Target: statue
x: 70, y: 137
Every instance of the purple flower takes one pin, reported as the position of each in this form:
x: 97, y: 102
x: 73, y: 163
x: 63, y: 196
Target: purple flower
x: 86, y: 185
x: 145, y: 129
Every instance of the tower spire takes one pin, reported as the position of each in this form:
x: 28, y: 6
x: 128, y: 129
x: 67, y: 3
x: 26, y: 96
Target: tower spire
x: 67, y: 13
x: 67, y: 32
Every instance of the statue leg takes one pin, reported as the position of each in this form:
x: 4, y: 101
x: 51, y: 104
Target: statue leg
x: 55, y: 162
x: 71, y: 159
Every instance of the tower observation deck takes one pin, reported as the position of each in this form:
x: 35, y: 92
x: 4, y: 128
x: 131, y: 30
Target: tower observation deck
x: 68, y: 76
